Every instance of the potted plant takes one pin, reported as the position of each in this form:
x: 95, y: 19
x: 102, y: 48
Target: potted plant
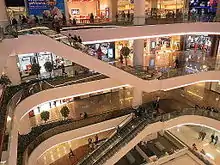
x: 48, y: 67
x: 45, y: 115
x: 65, y: 111
x: 125, y: 52
x: 35, y: 69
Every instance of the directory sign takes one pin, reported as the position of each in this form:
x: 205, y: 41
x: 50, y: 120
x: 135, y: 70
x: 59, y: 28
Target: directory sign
x: 38, y: 7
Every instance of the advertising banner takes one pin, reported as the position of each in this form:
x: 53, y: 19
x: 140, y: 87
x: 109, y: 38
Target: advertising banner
x: 38, y: 7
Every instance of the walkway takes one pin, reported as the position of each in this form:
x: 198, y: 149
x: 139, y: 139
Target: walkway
x: 189, y: 135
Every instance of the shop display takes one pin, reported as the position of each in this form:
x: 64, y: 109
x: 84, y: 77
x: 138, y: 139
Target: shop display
x: 203, y: 6
x: 25, y: 62
x: 199, y: 42
x: 103, y: 50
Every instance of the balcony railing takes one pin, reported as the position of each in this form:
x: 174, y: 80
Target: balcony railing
x: 134, y: 127
x: 27, y: 143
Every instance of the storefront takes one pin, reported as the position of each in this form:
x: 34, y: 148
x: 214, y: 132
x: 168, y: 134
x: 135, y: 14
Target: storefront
x: 25, y: 62
x: 203, y: 7
x: 82, y: 9
x: 105, y: 51
x: 160, y: 52
x: 153, y: 7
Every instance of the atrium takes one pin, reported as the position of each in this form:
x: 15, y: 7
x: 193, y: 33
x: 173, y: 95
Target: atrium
x: 109, y: 82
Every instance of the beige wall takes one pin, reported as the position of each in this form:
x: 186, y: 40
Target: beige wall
x: 85, y: 7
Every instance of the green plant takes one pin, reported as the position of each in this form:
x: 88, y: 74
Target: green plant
x: 65, y: 111
x: 48, y: 67
x: 125, y: 52
x: 4, y: 80
x: 35, y: 69
x: 45, y: 115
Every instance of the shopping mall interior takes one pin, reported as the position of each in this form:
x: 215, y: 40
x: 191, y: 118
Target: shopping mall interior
x: 104, y: 82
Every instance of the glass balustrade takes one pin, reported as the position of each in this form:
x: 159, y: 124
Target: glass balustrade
x: 185, y: 67
x: 131, y: 129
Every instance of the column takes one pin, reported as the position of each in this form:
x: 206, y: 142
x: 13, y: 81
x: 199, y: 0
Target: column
x: 218, y: 12
x: 113, y: 7
x: 139, y: 12
x: 12, y: 70
x: 137, y: 98
x: 208, y: 85
x: 153, y: 4
x: 138, y: 57
x: 67, y: 14
x: 24, y: 125
x: 3, y: 14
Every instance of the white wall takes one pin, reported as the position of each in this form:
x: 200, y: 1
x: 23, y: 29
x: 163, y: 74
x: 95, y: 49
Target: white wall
x: 85, y: 7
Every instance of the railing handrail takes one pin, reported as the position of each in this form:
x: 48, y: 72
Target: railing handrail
x: 163, y: 118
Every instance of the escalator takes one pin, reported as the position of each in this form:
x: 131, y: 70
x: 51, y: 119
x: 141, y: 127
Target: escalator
x: 129, y: 132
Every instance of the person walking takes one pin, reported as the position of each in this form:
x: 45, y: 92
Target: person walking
x: 203, y: 135
x: 216, y: 140
x: 70, y: 39
x: 79, y: 39
x: 128, y: 16
x: 212, y: 138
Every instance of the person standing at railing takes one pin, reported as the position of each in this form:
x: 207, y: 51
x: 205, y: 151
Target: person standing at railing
x: 123, y: 16
x: 212, y: 138
x: 116, y: 17
x: 128, y: 16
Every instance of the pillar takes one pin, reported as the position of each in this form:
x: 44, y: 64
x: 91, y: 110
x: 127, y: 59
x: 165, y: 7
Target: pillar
x: 137, y: 98
x: 24, y: 125
x: 208, y: 85
x: 3, y: 14
x: 139, y: 12
x: 113, y: 9
x: 218, y: 12
x: 12, y: 71
x: 12, y: 156
x: 138, y: 58
x: 153, y: 4
x: 67, y: 14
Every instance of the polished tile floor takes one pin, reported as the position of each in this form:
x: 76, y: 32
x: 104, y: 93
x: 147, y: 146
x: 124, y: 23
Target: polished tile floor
x: 58, y: 155
x: 189, y: 135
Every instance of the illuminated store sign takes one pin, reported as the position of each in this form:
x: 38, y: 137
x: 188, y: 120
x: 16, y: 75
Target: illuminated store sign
x: 39, y: 7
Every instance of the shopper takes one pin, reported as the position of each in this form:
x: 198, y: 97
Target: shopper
x: 116, y: 17
x: 216, y: 140
x: 91, y: 18
x: 212, y: 138
x: 96, y: 139
x: 200, y: 135
x: 14, y: 23
x: 75, y: 39
x: 36, y: 19
x: 203, y: 135
x: 79, y: 39
x: 63, y: 69
x: 128, y: 16
x: 123, y: 16
x: 70, y: 39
